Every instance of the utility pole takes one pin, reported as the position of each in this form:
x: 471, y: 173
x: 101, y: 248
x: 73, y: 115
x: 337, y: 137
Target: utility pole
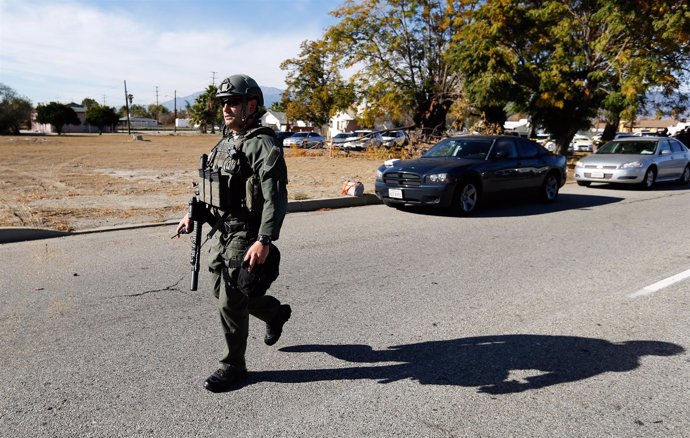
x: 157, y: 113
x: 127, y: 98
x: 175, y: 119
x: 213, y: 78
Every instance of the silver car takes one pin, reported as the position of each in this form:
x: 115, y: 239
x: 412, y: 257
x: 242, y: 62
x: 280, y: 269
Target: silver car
x: 341, y: 138
x: 636, y: 160
x: 394, y: 139
x: 361, y: 140
x: 307, y: 140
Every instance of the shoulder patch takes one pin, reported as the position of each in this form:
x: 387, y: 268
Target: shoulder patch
x: 273, y: 156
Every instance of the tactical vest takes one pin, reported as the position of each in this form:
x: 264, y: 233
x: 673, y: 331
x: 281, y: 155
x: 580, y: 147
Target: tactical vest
x: 229, y: 183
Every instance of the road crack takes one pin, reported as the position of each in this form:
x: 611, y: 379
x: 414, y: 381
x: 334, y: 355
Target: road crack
x: 172, y: 287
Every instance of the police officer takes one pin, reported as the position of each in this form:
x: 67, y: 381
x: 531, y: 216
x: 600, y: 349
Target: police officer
x: 248, y: 216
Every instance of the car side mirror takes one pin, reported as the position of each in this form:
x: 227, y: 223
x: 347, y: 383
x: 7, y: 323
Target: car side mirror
x: 665, y: 152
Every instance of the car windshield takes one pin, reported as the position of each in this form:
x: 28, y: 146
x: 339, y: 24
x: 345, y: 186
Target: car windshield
x: 641, y: 147
x: 477, y: 149
x: 344, y: 135
x: 300, y: 134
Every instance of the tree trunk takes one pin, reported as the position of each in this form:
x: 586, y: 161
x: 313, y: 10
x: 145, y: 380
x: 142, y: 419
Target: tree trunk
x: 494, y: 118
x: 563, y: 141
x: 431, y: 115
x: 610, y: 130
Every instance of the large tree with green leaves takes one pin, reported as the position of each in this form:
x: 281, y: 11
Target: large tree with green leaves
x: 88, y: 102
x: 57, y: 114
x: 206, y: 110
x: 315, y: 89
x: 15, y: 111
x: 157, y: 110
x: 399, y: 48
x: 563, y: 61
x: 101, y: 116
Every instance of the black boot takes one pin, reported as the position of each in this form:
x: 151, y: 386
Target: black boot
x: 225, y: 379
x: 275, y: 328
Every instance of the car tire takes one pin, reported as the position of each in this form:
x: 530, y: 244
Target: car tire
x: 466, y: 198
x: 549, y: 189
x: 685, y: 176
x: 649, y: 179
x: 584, y: 183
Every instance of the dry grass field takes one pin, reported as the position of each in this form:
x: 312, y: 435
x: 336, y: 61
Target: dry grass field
x: 83, y: 181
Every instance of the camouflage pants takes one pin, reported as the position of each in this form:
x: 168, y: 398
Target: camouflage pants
x: 226, y: 255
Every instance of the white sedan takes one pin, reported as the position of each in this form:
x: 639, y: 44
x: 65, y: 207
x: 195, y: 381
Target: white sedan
x: 308, y: 140
x: 636, y: 160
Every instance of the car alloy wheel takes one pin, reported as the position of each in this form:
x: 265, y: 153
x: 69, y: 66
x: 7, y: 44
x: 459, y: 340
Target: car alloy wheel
x: 467, y: 199
x: 685, y: 177
x: 649, y: 179
x: 550, y: 188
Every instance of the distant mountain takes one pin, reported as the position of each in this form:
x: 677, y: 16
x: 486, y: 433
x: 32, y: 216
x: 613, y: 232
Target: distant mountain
x: 271, y: 95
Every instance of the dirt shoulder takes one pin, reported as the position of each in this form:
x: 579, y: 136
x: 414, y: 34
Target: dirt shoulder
x: 83, y: 181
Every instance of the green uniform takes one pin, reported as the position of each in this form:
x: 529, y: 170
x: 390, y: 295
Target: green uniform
x: 257, y: 207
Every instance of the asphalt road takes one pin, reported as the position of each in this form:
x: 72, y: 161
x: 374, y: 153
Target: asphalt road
x: 524, y: 321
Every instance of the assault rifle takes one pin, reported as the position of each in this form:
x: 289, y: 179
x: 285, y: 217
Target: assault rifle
x: 197, y: 215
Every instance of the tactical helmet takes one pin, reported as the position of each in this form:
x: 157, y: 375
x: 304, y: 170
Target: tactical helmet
x: 240, y: 86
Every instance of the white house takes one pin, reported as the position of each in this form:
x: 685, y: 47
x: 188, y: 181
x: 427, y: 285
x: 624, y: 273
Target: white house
x: 275, y: 120
x: 342, y: 122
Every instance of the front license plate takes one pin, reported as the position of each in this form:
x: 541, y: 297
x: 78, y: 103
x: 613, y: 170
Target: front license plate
x: 597, y: 174
x: 395, y: 193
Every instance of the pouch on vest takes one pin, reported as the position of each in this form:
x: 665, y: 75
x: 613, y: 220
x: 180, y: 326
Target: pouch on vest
x: 213, y: 188
x: 254, y: 197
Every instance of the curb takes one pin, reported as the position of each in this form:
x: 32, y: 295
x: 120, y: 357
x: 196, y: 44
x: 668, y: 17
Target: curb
x: 19, y: 234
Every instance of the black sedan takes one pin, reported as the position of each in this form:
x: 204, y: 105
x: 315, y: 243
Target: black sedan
x: 458, y: 172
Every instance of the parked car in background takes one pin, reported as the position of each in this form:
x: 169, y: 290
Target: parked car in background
x: 545, y: 139
x: 459, y: 172
x: 362, y: 139
x: 581, y: 143
x: 282, y: 135
x: 636, y: 160
x: 339, y: 139
x: 391, y: 139
x: 307, y: 140
x: 624, y: 135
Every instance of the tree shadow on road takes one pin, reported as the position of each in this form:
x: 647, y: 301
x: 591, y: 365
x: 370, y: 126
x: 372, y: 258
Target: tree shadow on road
x: 494, y: 364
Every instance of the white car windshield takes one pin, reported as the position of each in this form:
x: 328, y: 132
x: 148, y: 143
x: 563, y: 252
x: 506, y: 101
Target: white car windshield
x: 641, y: 147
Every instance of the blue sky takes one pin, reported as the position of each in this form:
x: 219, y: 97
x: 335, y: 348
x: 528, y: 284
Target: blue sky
x: 60, y: 50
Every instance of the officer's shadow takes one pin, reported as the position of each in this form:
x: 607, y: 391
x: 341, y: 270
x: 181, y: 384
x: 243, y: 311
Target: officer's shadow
x: 494, y: 364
